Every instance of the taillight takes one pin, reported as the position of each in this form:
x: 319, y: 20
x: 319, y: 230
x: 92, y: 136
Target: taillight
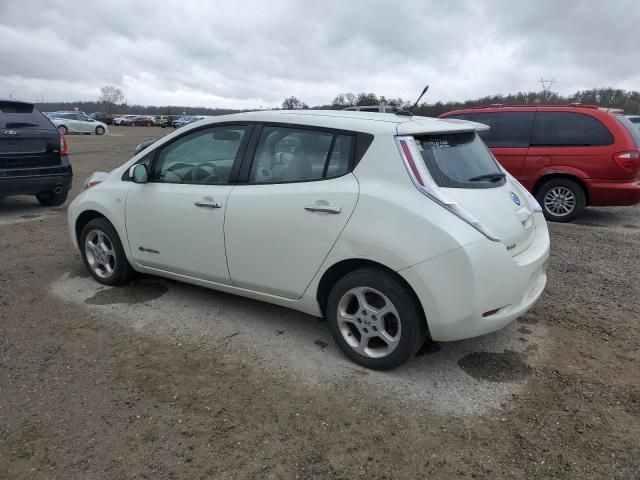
x: 425, y: 183
x: 64, y: 149
x: 627, y: 161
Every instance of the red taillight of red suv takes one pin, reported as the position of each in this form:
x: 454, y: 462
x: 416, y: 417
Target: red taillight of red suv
x: 64, y: 149
x: 628, y: 161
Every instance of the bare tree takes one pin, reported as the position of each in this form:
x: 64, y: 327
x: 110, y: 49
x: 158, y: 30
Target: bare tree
x: 293, y: 103
x: 110, y: 96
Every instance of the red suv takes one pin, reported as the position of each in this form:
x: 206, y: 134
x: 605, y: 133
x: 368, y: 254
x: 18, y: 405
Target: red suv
x: 567, y: 156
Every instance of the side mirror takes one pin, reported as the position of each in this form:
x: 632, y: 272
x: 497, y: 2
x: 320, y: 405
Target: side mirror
x: 138, y: 173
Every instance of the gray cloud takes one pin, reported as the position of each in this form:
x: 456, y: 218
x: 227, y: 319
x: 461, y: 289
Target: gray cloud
x: 253, y: 53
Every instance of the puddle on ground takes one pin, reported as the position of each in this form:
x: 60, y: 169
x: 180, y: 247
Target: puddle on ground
x: 29, y: 217
x: 136, y: 292
x: 496, y: 367
x: 631, y: 226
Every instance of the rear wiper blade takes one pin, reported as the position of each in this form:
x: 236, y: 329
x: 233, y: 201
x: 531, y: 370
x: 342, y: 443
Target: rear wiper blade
x: 494, y: 177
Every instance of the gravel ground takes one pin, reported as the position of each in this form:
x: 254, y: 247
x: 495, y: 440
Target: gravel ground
x: 164, y: 380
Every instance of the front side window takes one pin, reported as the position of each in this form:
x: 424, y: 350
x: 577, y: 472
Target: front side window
x: 508, y: 129
x: 568, y: 129
x: 294, y: 155
x: 201, y: 157
x: 460, y: 160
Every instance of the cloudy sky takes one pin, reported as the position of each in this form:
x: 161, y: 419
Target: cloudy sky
x: 255, y: 53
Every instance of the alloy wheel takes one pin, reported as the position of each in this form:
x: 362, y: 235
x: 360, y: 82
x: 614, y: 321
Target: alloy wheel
x: 100, y: 253
x: 369, y: 322
x: 560, y: 201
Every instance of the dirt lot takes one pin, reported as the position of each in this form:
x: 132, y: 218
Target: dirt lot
x: 163, y: 380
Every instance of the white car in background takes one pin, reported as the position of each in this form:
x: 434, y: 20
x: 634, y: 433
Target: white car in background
x: 122, y: 118
x: 73, y: 122
x: 395, y: 228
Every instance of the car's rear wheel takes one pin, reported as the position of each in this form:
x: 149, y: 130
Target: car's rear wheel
x: 562, y: 199
x: 63, y: 130
x: 374, y: 319
x: 103, y: 254
x: 53, y: 198
x: 99, y: 130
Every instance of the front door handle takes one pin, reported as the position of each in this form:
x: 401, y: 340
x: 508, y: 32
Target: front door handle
x: 323, y: 209
x: 208, y: 204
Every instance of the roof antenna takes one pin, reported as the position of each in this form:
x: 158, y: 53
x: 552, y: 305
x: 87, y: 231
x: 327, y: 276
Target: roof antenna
x: 410, y: 111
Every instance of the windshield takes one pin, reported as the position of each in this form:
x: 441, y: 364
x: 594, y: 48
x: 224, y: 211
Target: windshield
x: 460, y: 160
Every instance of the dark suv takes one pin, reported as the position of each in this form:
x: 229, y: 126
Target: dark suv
x: 568, y: 156
x: 33, y: 155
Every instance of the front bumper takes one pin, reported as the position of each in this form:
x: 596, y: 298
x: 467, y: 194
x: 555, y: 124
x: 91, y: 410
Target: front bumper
x: 456, y: 288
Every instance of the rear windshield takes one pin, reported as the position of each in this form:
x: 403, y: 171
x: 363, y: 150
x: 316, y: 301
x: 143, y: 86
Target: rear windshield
x: 632, y: 128
x: 460, y: 160
x: 22, y: 115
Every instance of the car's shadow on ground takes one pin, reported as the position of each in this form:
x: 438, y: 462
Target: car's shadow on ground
x: 627, y: 218
x: 23, y: 208
x: 465, y: 376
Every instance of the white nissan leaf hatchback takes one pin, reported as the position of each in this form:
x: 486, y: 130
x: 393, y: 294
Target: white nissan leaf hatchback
x: 395, y: 228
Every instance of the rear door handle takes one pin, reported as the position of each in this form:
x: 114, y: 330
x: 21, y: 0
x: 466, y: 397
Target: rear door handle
x: 208, y: 204
x: 323, y: 209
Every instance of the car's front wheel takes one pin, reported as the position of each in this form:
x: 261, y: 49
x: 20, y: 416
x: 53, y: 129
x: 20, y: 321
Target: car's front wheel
x: 374, y: 319
x: 562, y: 199
x: 99, y: 130
x: 103, y: 254
x: 63, y: 130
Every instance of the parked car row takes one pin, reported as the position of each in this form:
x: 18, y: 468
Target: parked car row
x: 154, y: 120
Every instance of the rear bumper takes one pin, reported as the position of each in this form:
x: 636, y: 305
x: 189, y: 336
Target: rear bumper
x: 456, y: 288
x: 612, y: 193
x: 33, y: 184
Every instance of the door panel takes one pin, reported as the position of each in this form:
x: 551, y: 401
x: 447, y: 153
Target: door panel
x: 168, y: 231
x: 276, y: 245
x: 176, y: 221
x: 512, y: 159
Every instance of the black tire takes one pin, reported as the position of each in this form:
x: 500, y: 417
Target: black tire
x: 412, y: 329
x: 569, y: 194
x: 99, y: 130
x: 63, y: 130
x: 122, y: 272
x: 52, y: 199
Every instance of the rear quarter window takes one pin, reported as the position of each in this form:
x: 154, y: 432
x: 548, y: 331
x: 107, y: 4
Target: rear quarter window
x: 569, y: 129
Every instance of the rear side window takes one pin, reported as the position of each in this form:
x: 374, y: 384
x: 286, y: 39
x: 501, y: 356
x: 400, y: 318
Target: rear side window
x: 508, y: 129
x: 22, y: 115
x: 460, y: 160
x: 294, y: 155
x: 568, y: 129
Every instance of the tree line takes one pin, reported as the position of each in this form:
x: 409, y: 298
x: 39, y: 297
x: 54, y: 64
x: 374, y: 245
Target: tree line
x: 112, y: 101
x: 602, y: 97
